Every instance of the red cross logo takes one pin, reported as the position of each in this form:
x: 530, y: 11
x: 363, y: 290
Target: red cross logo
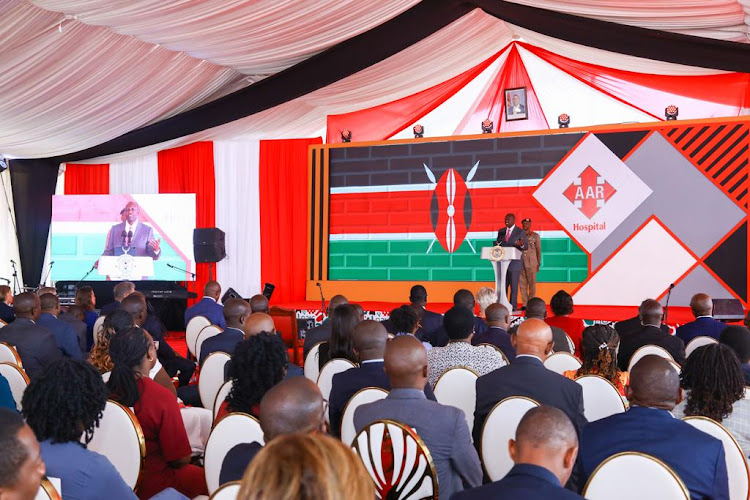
x: 589, y: 192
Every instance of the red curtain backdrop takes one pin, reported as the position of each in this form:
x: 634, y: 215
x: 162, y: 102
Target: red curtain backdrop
x: 190, y: 169
x: 283, y: 216
x: 86, y: 179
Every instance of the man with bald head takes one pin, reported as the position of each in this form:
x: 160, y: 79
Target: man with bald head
x: 537, y: 308
x: 442, y: 428
x: 65, y: 336
x: 463, y: 299
x: 322, y: 332
x: 544, y: 453
x: 651, y: 313
x: 498, y: 321
x: 208, y: 306
x: 649, y: 427
x: 704, y: 325
x: 35, y: 344
x: 258, y: 304
x: 630, y: 326
x: 236, y: 313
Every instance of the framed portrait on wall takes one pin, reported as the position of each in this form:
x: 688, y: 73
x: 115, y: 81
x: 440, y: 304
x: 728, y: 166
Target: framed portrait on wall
x: 515, y: 104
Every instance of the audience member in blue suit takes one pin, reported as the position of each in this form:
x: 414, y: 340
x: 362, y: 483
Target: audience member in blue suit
x: 208, y: 306
x: 65, y: 336
x: 544, y: 453
x: 6, y: 396
x: 430, y: 321
x: 497, y: 317
x: 649, y: 427
x: 704, y: 324
x: 462, y: 298
x: 236, y: 311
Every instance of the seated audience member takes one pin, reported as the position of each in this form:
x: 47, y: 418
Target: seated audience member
x: 370, y: 339
x: 360, y: 312
x: 704, y: 325
x: 459, y: 325
x: 341, y: 344
x: 306, y: 467
x: 120, y: 291
x: 46, y: 289
x: 716, y: 389
x: 537, y: 309
x: 236, y: 312
x: 35, y: 344
x: 167, y: 463
x: 262, y: 322
x: 21, y: 465
x: 599, y: 347
x: 6, y: 395
x: 208, y: 306
x: 404, y: 320
x: 322, y: 332
x: 649, y: 427
x: 544, y: 453
x: 61, y: 406
x: 6, y: 304
x: 485, y: 297
x: 562, y: 307
x: 116, y: 321
x: 65, y: 336
x: 430, y: 321
x: 442, y: 428
x: 738, y: 338
x: 75, y: 317
x: 650, y: 334
x: 258, y: 304
x: 258, y: 363
x: 292, y: 406
x: 464, y: 299
x: 497, y: 318
x: 629, y: 326
x: 86, y: 298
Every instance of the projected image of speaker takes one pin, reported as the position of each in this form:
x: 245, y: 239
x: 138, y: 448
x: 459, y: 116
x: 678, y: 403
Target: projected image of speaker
x: 208, y: 244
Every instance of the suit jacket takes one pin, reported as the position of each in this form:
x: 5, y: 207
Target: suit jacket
x: 78, y: 326
x: 497, y: 337
x: 320, y: 333
x: 694, y: 455
x: 442, y: 428
x: 209, y: 308
x: 6, y: 312
x: 35, y: 344
x: 518, y: 233
x: 431, y: 321
x: 523, y: 482
x: 65, y: 336
x: 139, y: 246
x: 347, y: 383
x: 559, y: 338
x: 111, y: 307
x: 226, y: 341
x: 701, y: 326
x: 630, y: 326
x: 237, y: 460
x: 649, y: 335
x: 439, y: 337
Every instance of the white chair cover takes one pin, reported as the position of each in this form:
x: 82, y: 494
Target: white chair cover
x: 221, y: 396
x: 47, y: 491
x: 363, y: 396
x: 413, y: 474
x: 499, y: 427
x: 325, y: 379
x: 571, y: 345
x: 98, y: 326
x: 119, y: 438
x: 600, y: 397
x: 698, y: 342
x: 17, y: 379
x: 312, y: 367
x: 676, y: 366
x: 561, y: 362
x: 207, y: 332
x: 497, y: 350
x: 192, y: 329
x: 647, y: 350
x: 457, y: 387
x: 105, y: 376
x: 630, y: 475
x: 228, y: 491
x: 228, y: 432
x: 2, y: 323
x: 212, y: 377
x: 737, y: 467
x: 8, y: 354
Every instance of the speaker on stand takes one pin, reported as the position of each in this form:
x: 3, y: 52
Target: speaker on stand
x: 208, y: 246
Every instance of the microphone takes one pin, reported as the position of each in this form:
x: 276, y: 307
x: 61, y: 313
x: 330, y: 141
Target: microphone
x: 322, y: 299
x: 666, y: 305
x: 130, y: 238
x: 13, y: 262
x: 124, y: 235
x: 180, y: 269
x: 49, y: 271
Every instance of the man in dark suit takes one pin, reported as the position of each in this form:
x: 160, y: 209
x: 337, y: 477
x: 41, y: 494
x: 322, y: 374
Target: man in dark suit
x: 650, y: 334
x: 738, y: 339
x: 442, y: 428
x: 649, y: 427
x: 370, y: 339
x: 259, y: 304
x: 544, y: 453
x: 208, y: 306
x: 430, y: 321
x: 536, y: 308
x: 512, y: 236
x: 75, y: 317
x: 322, y: 332
x: 462, y: 298
x: 35, y: 344
x: 132, y: 236
x: 65, y: 336
x: 6, y: 309
x: 497, y: 317
x: 120, y: 291
x: 627, y: 327
x: 704, y: 324
x: 236, y: 311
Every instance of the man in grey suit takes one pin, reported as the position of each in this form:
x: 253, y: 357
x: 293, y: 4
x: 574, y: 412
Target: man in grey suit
x: 512, y: 236
x: 442, y: 428
x: 132, y: 236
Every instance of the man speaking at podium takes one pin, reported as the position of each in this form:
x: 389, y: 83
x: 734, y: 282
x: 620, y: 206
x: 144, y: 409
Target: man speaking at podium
x: 512, y: 236
x: 132, y: 236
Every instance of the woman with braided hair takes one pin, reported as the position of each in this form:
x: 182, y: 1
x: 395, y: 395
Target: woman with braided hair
x: 61, y: 406
x: 168, y: 450
x: 599, y: 345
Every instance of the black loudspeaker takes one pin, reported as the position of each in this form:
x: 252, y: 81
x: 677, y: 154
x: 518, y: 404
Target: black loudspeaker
x: 268, y: 289
x: 728, y: 310
x: 231, y: 293
x: 208, y: 244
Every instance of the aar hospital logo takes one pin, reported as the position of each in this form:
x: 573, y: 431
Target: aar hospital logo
x: 591, y: 192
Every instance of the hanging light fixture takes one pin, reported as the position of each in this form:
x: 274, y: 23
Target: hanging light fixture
x: 346, y: 135
x: 563, y: 121
x: 671, y: 112
x: 487, y: 126
x: 418, y: 131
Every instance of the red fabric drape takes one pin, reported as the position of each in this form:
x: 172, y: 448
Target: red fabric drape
x: 283, y: 216
x: 190, y: 169
x: 86, y: 179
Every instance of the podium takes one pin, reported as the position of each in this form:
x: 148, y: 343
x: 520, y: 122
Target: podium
x: 126, y: 267
x: 500, y: 258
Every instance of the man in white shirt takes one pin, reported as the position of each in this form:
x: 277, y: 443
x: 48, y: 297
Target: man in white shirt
x: 132, y: 236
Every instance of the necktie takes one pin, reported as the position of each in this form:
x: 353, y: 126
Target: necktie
x: 507, y: 235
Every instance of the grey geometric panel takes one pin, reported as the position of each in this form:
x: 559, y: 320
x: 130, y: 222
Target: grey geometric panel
x: 695, y: 210
x: 698, y: 281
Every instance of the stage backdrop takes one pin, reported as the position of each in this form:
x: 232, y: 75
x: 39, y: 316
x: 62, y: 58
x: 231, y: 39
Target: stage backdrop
x: 623, y: 212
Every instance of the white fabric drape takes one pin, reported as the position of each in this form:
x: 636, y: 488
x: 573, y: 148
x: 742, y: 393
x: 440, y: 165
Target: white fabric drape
x: 236, y: 171
x: 137, y: 175
x: 9, y: 248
